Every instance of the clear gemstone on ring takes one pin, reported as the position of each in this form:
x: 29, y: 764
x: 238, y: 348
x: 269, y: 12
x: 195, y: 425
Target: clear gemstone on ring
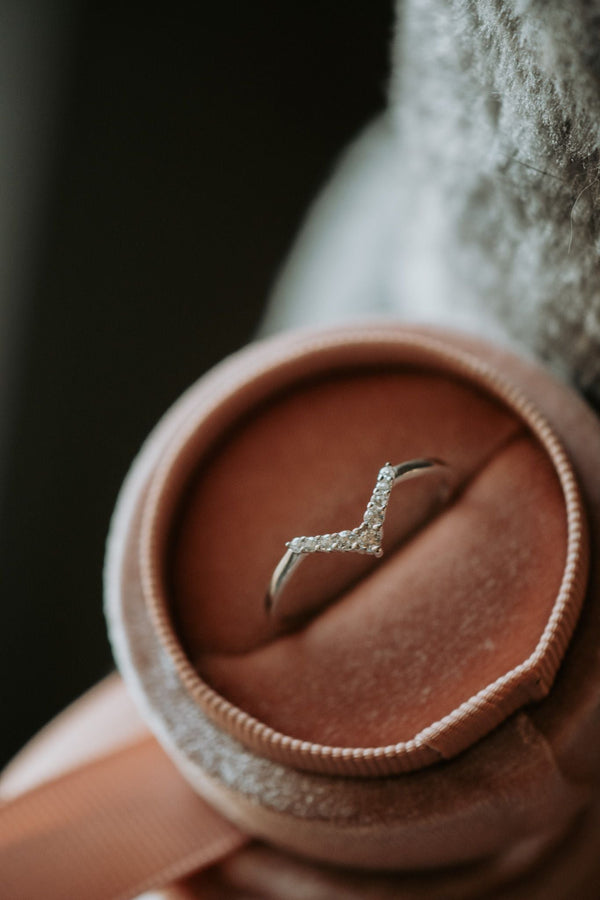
x: 366, y: 537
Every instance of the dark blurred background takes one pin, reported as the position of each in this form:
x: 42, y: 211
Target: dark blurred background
x: 155, y: 163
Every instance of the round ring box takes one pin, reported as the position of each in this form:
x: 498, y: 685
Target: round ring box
x: 437, y: 707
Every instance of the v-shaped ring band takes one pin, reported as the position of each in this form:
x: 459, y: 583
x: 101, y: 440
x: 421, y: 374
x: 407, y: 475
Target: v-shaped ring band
x: 365, y: 538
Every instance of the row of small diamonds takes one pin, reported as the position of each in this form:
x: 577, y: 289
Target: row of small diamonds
x: 364, y: 539
x: 377, y: 505
x: 361, y: 540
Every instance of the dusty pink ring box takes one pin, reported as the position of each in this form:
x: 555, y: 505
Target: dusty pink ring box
x: 438, y: 707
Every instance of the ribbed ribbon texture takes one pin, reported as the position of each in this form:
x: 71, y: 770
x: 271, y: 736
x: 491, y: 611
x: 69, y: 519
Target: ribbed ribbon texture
x: 117, y: 826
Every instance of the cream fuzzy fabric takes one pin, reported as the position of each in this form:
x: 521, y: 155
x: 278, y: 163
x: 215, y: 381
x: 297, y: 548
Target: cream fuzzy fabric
x: 473, y: 202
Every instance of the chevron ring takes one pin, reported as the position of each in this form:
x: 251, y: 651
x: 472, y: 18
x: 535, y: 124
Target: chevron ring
x: 366, y: 538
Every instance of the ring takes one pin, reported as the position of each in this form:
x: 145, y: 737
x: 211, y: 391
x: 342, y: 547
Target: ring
x: 366, y: 538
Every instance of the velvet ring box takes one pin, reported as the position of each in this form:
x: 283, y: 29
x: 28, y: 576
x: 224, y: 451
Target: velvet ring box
x: 438, y: 707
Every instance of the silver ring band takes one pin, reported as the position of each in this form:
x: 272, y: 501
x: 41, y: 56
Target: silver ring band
x: 366, y: 538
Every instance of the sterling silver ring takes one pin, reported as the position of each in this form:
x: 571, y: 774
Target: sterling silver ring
x: 366, y: 538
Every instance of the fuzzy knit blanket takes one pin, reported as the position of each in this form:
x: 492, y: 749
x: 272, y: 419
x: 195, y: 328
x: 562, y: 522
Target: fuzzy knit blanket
x: 474, y: 202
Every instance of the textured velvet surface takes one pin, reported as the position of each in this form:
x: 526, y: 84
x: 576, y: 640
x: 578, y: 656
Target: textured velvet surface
x: 570, y: 870
x: 509, y: 798
x: 409, y: 638
x: 513, y: 815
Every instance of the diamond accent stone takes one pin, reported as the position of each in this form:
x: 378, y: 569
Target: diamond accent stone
x: 366, y: 537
